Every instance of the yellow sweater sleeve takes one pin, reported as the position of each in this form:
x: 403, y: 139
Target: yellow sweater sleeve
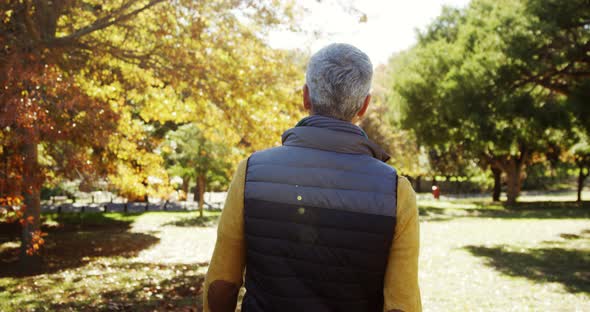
x: 229, y: 257
x: 401, y: 290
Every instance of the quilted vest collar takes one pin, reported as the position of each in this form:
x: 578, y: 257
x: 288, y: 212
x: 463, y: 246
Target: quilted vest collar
x: 334, y: 135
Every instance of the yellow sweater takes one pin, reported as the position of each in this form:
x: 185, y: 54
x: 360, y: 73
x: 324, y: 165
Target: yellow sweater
x: 401, y: 291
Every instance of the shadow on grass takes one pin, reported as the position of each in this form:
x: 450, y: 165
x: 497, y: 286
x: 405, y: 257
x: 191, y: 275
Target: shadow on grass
x: 76, y: 240
x: 568, y: 266
x: 89, y: 221
x: 179, y: 292
x: 525, y: 210
x: 540, y: 205
x: 205, y: 221
x: 70, y: 222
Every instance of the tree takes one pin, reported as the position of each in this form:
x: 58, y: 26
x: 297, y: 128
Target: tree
x: 48, y: 116
x: 77, y: 72
x: 551, y: 50
x: 137, y: 171
x: 192, y: 156
x: 382, y: 125
x: 448, y: 161
x: 581, y: 156
x: 469, y: 81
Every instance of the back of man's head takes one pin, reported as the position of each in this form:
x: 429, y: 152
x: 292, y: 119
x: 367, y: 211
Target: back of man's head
x: 339, y: 80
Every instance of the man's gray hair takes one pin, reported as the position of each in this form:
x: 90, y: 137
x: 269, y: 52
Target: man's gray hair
x: 339, y: 79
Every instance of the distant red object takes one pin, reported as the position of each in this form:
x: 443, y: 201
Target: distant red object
x: 436, y: 192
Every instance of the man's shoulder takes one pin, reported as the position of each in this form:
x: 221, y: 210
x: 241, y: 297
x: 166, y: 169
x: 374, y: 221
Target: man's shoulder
x: 406, y: 199
x: 260, y: 155
x: 318, y: 158
x: 404, y: 186
x: 280, y: 155
x: 271, y: 150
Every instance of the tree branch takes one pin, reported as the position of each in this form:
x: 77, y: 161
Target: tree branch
x: 103, y: 22
x: 29, y: 22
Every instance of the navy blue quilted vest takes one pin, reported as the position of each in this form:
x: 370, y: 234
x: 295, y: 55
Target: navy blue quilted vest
x: 319, y: 216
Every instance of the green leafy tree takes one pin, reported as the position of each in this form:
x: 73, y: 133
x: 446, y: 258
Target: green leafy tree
x: 581, y: 155
x: 191, y: 155
x: 382, y: 125
x: 448, y: 161
x: 470, y: 81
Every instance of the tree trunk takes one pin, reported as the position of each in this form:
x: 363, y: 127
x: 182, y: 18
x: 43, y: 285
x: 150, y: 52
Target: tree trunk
x: 30, y: 263
x: 434, y: 182
x: 185, y: 186
x: 581, y: 178
x: 513, y: 172
x: 4, y: 189
x: 145, y: 198
x: 197, y: 191
x: 580, y: 185
x: 418, y: 184
x: 200, y: 192
x: 497, y: 184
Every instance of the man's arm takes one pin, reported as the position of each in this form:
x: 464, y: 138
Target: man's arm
x: 225, y: 273
x: 401, y: 291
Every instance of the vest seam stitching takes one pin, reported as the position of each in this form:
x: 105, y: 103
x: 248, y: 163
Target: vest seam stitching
x: 371, y: 215
x: 330, y: 208
x: 317, y: 298
x: 324, y: 226
x: 315, y: 263
x: 305, y: 243
x: 321, y: 187
x: 304, y: 279
x: 308, y: 167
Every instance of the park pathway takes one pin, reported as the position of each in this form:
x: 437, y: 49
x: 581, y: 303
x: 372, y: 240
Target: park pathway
x: 178, y: 244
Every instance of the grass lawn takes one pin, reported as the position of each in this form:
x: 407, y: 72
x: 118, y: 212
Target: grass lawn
x: 114, y: 261
x: 481, y: 257
x: 475, y: 256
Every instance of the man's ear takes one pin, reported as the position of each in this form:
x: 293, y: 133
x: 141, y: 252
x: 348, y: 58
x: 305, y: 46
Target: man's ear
x: 306, y: 98
x: 363, y: 110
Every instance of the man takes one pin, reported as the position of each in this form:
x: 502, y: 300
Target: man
x: 320, y: 223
